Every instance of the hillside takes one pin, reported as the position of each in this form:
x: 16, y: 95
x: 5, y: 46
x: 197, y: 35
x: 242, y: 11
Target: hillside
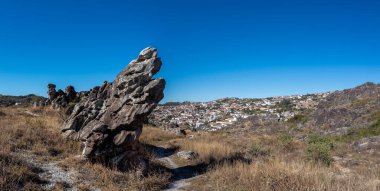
x: 27, y: 100
x: 332, y: 112
x: 350, y: 108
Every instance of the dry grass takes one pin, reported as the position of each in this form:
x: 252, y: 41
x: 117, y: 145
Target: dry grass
x: 154, y: 135
x: 209, y: 147
x: 281, y: 176
x: 24, y: 134
x: 98, y: 176
x: 40, y: 135
x: 16, y: 173
x: 280, y: 161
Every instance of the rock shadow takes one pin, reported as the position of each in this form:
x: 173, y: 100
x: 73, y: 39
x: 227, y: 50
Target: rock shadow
x: 161, y: 151
x: 190, y: 171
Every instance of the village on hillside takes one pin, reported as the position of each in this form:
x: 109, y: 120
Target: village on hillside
x: 222, y: 113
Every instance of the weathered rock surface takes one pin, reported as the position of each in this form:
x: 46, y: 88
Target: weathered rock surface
x: 108, y: 119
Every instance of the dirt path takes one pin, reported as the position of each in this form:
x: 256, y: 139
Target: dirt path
x: 32, y: 114
x: 51, y: 172
x: 181, y: 176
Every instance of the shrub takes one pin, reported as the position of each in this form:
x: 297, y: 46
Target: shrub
x: 319, y: 149
x: 258, y: 150
x: 286, y: 141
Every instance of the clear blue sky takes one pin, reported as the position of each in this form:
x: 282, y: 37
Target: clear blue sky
x: 210, y: 49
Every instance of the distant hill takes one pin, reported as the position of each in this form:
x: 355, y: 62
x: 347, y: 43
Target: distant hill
x: 27, y: 100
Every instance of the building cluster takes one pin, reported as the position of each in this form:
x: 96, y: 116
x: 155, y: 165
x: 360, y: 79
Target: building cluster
x: 225, y: 112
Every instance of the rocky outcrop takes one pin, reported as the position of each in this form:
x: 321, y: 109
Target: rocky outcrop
x: 60, y: 99
x: 109, y: 119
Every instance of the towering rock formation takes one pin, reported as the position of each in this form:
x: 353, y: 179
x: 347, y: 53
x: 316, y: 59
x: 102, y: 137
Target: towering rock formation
x: 108, y: 119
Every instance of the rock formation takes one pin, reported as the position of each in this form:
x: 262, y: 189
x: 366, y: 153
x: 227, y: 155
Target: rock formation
x: 108, y: 119
x: 60, y: 99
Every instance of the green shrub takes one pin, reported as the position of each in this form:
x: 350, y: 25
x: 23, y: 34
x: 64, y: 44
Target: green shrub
x: 258, y: 150
x: 319, y: 148
x: 285, y: 139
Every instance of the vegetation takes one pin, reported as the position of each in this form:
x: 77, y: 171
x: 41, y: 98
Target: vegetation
x: 26, y: 139
x: 285, y: 105
x: 298, y: 118
x: 319, y: 148
x: 27, y: 100
x: 354, y: 134
x: 238, y: 160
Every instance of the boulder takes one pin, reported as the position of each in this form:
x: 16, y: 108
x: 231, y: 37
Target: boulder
x: 188, y: 155
x: 367, y: 144
x: 109, y: 118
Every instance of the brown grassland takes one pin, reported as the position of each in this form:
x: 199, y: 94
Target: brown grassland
x: 234, y: 159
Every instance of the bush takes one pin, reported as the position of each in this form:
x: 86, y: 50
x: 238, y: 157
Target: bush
x: 319, y: 149
x: 258, y: 150
x: 298, y: 119
x: 286, y: 141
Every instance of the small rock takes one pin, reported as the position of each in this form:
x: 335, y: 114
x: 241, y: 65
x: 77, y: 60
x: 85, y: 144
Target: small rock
x: 187, y: 155
x: 368, y: 144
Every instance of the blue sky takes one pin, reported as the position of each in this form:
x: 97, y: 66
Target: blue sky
x: 210, y: 49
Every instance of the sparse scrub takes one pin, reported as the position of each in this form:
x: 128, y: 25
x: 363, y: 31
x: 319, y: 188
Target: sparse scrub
x: 358, y: 133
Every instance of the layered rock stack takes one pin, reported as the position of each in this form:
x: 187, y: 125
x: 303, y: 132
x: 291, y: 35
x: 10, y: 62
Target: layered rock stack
x: 108, y: 119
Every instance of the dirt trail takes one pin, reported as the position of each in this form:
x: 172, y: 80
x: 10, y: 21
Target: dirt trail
x: 181, y: 176
x: 32, y: 114
x: 51, y: 172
